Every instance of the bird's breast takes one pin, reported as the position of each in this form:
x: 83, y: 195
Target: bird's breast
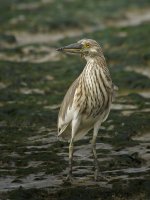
x: 92, y: 96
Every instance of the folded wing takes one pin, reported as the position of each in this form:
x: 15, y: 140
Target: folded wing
x: 66, y: 110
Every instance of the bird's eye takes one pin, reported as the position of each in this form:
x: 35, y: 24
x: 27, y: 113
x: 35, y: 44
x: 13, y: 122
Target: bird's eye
x: 87, y: 45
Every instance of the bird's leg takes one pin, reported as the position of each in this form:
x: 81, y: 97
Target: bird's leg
x: 69, y: 177
x: 95, y: 154
x: 97, y: 175
x: 75, y: 125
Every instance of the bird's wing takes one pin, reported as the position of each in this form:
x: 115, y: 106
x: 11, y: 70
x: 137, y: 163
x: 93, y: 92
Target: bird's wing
x: 66, y: 113
x: 115, y: 90
x: 110, y: 86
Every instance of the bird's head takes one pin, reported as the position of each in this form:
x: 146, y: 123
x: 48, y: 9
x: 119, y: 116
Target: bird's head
x: 86, y: 47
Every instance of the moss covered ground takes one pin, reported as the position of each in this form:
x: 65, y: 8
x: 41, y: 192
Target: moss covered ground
x: 33, y: 80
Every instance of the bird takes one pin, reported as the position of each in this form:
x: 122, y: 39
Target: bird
x: 87, y: 102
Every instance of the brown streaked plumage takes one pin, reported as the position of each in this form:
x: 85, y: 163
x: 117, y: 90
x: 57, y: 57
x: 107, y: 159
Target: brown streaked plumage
x: 87, y: 103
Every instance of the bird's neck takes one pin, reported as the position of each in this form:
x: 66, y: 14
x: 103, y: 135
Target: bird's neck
x: 96, y: 62
x: 96, y: 65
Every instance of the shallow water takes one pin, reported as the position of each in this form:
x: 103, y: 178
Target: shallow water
x: 33, y: 163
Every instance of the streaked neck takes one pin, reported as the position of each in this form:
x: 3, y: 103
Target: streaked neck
x: 96, y: 61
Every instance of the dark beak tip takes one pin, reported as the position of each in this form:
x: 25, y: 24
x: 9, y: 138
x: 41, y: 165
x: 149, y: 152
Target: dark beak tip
x: 59, y: 49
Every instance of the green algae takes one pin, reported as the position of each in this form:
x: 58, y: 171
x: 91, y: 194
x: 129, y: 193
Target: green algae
x: 27, y: 14
x: 29, y: 101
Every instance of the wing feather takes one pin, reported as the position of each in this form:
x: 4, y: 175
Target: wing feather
x: 66, y: 114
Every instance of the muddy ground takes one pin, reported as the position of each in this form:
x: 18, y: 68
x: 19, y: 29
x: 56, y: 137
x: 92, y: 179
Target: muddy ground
x: 33, y: 80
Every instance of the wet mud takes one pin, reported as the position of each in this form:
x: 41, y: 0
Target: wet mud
x: 33, y: 80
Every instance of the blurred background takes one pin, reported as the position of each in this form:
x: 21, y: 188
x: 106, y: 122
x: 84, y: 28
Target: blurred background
x: 34, y: 78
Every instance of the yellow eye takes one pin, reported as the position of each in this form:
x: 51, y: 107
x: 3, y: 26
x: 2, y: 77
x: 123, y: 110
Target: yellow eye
x: 87, y: 45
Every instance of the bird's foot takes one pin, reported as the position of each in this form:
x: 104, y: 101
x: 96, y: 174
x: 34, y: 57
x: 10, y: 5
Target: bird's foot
x: 96, y: 175
x: 100, y: 177
x: 69, y: 178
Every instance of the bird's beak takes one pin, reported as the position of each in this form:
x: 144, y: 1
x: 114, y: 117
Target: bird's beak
x: 72, y: 48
